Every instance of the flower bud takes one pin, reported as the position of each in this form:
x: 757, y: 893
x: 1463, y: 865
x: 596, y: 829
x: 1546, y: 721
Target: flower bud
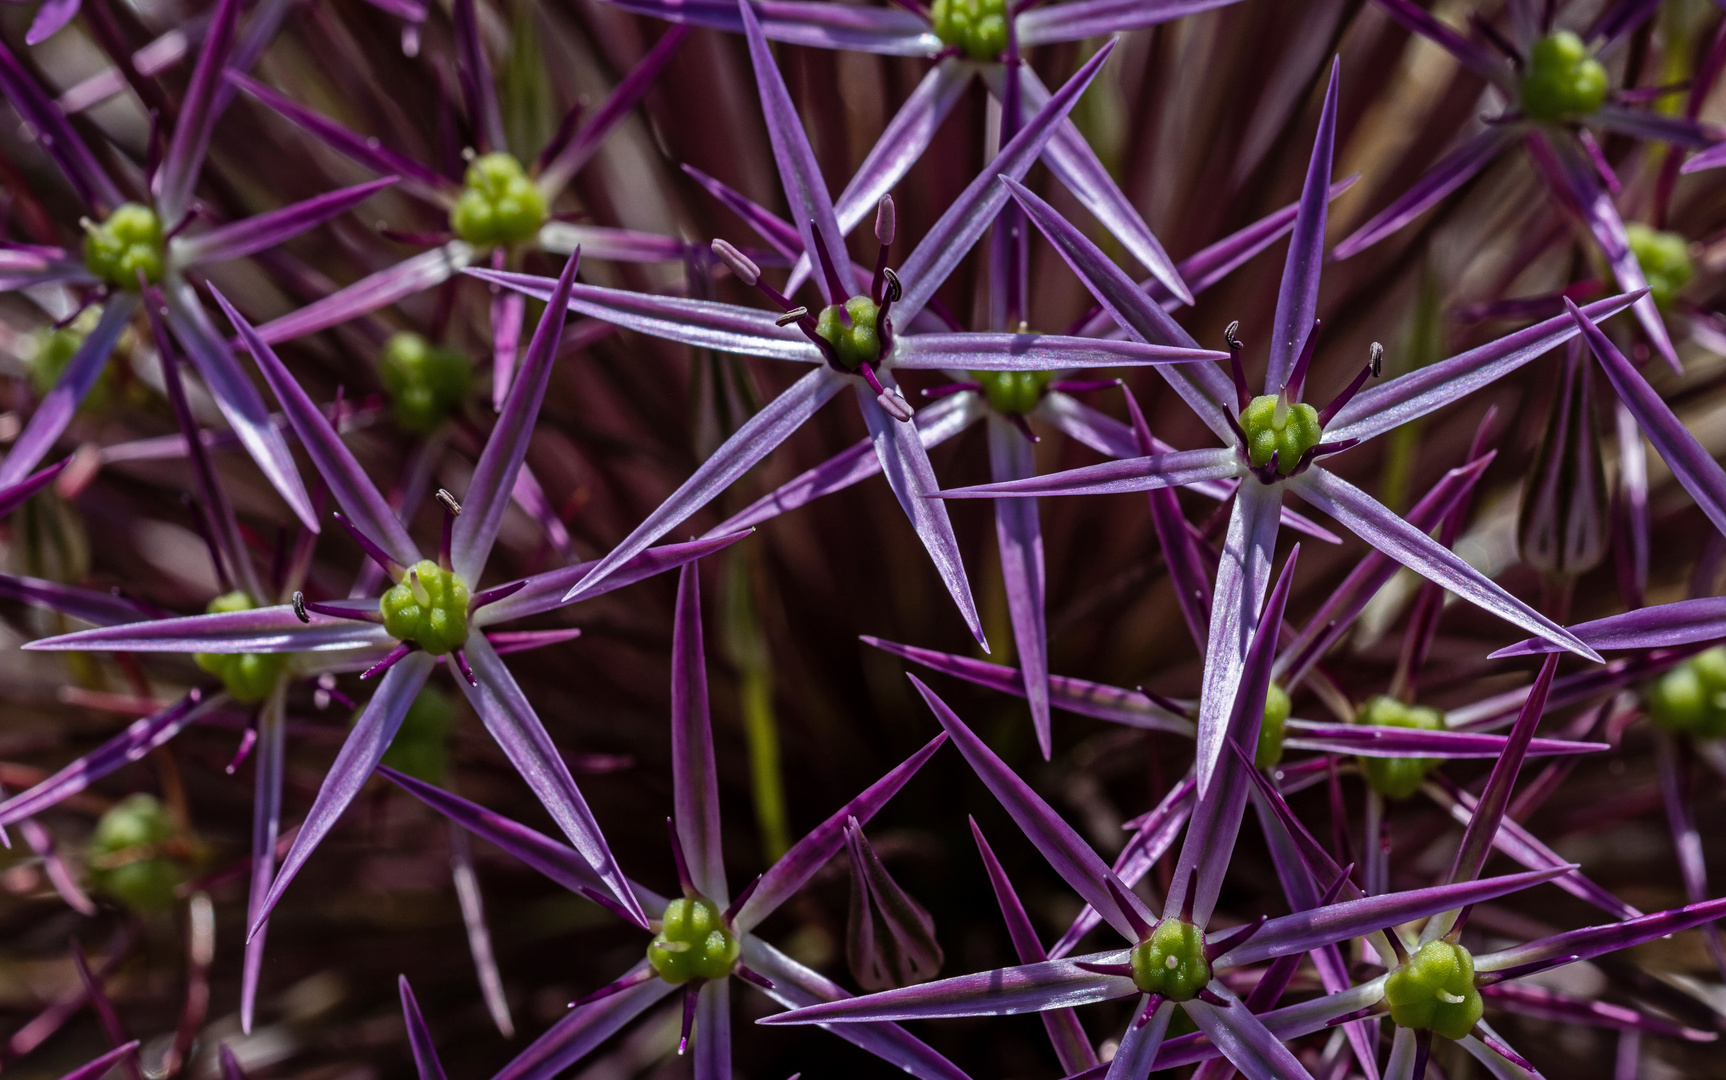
x: 889, y: 937
x: 1562, y: 528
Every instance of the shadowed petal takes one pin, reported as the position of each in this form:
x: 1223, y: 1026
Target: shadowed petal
x: 1053, y: 984
x: 473, y: 67
x: 55, y: 410
x: 1091, y: 18
x: 1070, y: 856
x: 1244, y: 1039
x: 602, y: 121
x: 1157, y: 832
x: 199, y: 111
x: 58, y: 138
x: 1378, y: 409
x: 811, y: 853
x: 821, y: 24
x: 1297, y: 298
x: 1188, y: 574
x: 1387, y: 742
x: 1690, y: 462
x: 1019, y: 534
x: 1494, y: 801
x: 239, y: 400
x: 544, y: 592
x: 1368, y: 519
x: 101, y: 608
x: 1587, y: 943
x: 759, y: 436
x: 906, y: 466
x: 694, y: 776
x: 263, y: 231
x: 512, y: 722
x: 360, y: 754
x: 1139, y: 1046
x: 1035, y: 352
x: 494, y: 477
x: 99, y: 1067
x: 795, y: 986
x: 1177, y: 469
x: 355, y: 493
x: 617, y: 245
x: 1454, y: 170
x: 419, y: 1036
x: 949, y: 240
x: 266, y: 830
x: 1473, y: 55
x: 413, y: 275
x: 1647, y: 124
x: 1661, y: 626
x: 583, y: 1029
x: 1673, y: 766
x: 889, y: 936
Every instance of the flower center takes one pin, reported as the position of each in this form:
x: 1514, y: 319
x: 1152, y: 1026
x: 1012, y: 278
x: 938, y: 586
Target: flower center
x: 1397, y: 778
x: 1172, y: 962
x: 1563, y: 81
x: 1287, y: 430
x: 1434, y: 990
x: 1014, y: 392
x: 136, y: 855
x: 427, y: 607
x: 1690, y: 699
x: 1664, y: 258
x: 1277, y: 707
x: 248, y: 677
x: 498, y: 203
x: 128, y: 243
x: 977, y: 26
x: 425, y: 382
x: 693, y: 943
x: 851, y: 331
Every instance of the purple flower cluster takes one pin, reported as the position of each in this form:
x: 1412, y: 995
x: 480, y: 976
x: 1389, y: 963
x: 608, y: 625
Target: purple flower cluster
x: 319, y: 234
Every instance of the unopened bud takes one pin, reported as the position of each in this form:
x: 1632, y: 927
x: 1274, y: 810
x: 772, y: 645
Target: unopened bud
x: 889, y: 937
x: 740, y: 264
x: 885, y: 220
x: 1562, y: 529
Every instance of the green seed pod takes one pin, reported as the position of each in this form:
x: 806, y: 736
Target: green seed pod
x: 858, y: 343
x: 1397, y: 778
x: 1690, y: 699
x: 132, y: 857
x: 693, y: 943
x: 128, y: 243
x: 427, y: 607
x: 979, y: 27
x: 498, y: 203
x: 1563, y: 82
x: 1289, y: 438
x: 248, y: 677
x: 1014, y: 392
x: 1434, y: 991
x: 1270, y: 747
x: 1172, y: 962
x: 1664, y: 258
x: 421, y: 745
x: 426, y: 382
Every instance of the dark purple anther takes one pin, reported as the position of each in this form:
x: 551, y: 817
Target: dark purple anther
x: 1374, y: 366
x: 1238, y: 372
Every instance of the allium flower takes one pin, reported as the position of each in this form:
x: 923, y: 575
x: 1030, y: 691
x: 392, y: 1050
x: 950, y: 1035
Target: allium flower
x: 139, y: 243
x: 854, y: 340
x: 704, y: 936
x: 1277, y: 438
x: 1555, y: 89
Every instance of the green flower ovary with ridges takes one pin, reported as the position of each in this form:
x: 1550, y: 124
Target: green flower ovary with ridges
x: 1434, y: 991
x: 977, y: 26
x: 426, y: 382
x: 55, y: 348
x: 248, y: 677
x: 1172, y: 962
x: 693, y: 942
x: 1277, y: 707
x: 1298, y: 432
x: 1562, y: 81
x: 427, y: 607
x: 128, y: 242
x: 858, y: 343
x: 1014, y: 391
x: 1690, y: 699
x: 1664, y: 258
x: 421, y: 745
x: 131, y: 854
x: 498, y: 203
x: 1398, y: 777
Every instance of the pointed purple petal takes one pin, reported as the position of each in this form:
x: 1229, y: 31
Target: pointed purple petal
x: 1304, y: 931
x: 1070, y: 856
x: 1401, y: 742
x: 1661, y: 626
x: 1188, y: 575
x: 1297, y: 298
x: 1453, y: 170
x: 268, y: 629
x: 712, y: 1049
x: 758, y: 437
x: 1368, y: 519
x: 197, y: 118
x: 1378, y: 409
x: 100, y: 608
x: 617, y: 245
x: 1477, y: 57
x: 695, y: 781
x: 419, y: 1036
x: 355, y: 493
x: 1177, y: 469
x: 250, y: 235
x: 56, y: 136
x: 1244, y: 1039
x: 414, y: 275
x: 1647, y: 124
x: 1587, y: 943
x: 1157, y: 832
x: 583, y: 1030
x: 1673, y: 768
x: 1091, y: 18
x: 1494, y: 801
x: 544, y: 592
x: 487, y: 494
x: 479, y: 91
x: 950, y: 239
x: 239, y: 400
x: 360, y: 754
x: 821, y: 25
x: 1035, y: 352
x: 55, y: 410
x: 266, y: 828
x: 811, y: 853
x: 1139, y: 1046
x: 613, y: 110
x: 50, y: 17
x: 1019, y: 534
x: 99, y: 1067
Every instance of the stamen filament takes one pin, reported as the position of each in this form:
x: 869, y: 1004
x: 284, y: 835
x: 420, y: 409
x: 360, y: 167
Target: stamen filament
x: 1297, y: 376
x: 462, y: 666
x: 690, y: 993
x: 492, y: 596
x: 677, y: 857
x: 634, y: 978
x: 391, y: 567
x: 830, y: 273
x: 395, y: 655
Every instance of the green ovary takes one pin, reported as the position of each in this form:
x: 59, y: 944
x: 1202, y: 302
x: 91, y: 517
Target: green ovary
x: 1172, y: 962
x: 1690, y: 699
x: 977, y: 26
x: 1563, y: 81
x: 858, y: 343
x: 1290, y: 439
x: 1397, y: 778
x: 1434, y: 990
x: 1270, y: 749
x: 421, y: 745
x: 128, y: 243
x: 427, y: 607
x: 130, y: 858
x: 248, y: 677
x: 426, y: 383
x: 498, y: 203
x: 54, y: 350
x: 1014, y: 391
x: 693, y: 943
x: 1664, y: 258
